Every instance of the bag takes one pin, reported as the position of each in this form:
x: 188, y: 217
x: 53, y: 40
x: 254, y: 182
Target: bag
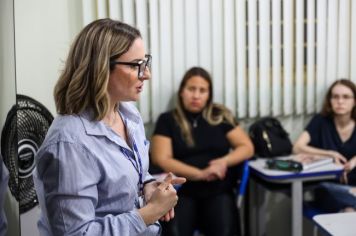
x: 270, y: 138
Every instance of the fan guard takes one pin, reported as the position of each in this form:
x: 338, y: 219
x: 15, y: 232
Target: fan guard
x: 25, y: 128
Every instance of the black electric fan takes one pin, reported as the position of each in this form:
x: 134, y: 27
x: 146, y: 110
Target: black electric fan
x: 25, y: 128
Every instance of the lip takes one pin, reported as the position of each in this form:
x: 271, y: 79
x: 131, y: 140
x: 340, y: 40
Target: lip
x: 339, y: 108
x: 195, y: 104
x: 139, y: 88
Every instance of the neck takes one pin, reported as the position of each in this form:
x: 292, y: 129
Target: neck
x: 343, y: 120
x: 192, y: 114
x: 193, y: 118
x: 110, y: 117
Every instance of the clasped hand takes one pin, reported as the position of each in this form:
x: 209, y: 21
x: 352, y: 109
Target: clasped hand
x: 216, y: 170
x: 348, y: 167
x: 348, y: 164
x: 164, y: 195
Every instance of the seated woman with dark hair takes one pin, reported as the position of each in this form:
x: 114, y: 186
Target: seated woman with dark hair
x: 333, y: 133
x: 201, y: 141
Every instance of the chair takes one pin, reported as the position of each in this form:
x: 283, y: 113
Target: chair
x: 241, y: 191
x: 309, y: 211
x: 243, y: 184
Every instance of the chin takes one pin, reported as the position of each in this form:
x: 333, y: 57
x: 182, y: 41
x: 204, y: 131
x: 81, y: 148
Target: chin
x: 194, y: 109
x: 342, y: 113
x: 136, y: 98
x: 130, y: 99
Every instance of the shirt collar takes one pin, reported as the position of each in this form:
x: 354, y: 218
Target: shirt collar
x: 128, y: 112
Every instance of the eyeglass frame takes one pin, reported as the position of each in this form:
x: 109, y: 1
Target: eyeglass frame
x: 343, y: 97
x: 147, y: 64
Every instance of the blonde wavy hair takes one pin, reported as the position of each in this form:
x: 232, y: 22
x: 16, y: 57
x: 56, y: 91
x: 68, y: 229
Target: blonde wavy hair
x: 83, y: 82
x: 214, y: 114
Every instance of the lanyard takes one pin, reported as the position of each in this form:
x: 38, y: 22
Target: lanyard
x: 136, y: 162
x: 135, y: 159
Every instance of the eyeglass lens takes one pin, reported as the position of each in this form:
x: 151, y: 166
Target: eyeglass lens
x: 144, y: 65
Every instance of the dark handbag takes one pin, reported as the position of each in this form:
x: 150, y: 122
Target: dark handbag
x: 270, y: 138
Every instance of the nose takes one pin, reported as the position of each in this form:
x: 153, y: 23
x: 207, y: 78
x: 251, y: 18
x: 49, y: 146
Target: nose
x: 146, y: 74
x: 196, y: 94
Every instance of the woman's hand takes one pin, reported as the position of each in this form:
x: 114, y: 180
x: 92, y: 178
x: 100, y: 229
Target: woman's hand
x: 219, y: 165
x: 149, y: 189
x: 161, y: 201
x: 170, y: 214
x: 209, y: 173
x: 216, y: 170
x: 338, y: 158
x: 349, y: 166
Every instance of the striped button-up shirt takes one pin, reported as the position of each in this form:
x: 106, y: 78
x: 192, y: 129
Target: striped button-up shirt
x: 87, y: 177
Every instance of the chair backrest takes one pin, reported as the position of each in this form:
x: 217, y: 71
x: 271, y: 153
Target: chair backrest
x: 243, y: 183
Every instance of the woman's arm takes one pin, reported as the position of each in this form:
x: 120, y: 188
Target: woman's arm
x: 242, y: 145
x: 301, y: 146
x: 242, y: 149
x: 162, y: 155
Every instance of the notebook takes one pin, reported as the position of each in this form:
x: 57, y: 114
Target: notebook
x: 312, y: 161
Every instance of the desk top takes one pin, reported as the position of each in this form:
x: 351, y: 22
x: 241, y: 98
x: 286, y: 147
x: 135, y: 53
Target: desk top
x: 327, y: 171
x: 338, y: 223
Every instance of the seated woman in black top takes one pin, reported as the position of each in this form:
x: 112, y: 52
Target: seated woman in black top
x: 333, y: 133
x: 202, y: 141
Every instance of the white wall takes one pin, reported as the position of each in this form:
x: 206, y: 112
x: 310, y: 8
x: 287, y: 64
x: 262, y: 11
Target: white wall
x: 44, y: 30
x: 7, y: 59
x: 8, y: 96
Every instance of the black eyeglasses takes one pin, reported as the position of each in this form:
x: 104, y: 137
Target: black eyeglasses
x: 141, y: 64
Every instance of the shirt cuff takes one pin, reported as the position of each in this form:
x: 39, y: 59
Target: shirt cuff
x: 149, y: 181
x: 138, y: 223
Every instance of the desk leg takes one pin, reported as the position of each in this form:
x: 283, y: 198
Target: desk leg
x: 258, y: 209
x: 297, y: 208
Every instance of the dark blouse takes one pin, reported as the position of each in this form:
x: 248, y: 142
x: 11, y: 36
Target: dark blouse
x: 210, y: 143
x: 323, y: 134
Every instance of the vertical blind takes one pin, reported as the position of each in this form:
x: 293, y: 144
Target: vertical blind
x: 266, y: 57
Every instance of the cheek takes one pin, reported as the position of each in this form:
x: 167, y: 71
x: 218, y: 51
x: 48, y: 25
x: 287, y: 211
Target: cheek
x: 184, y: 95
x: 333, y: 103
x: 185, y: 99
x: 206, y: 98
x: 122, y: 80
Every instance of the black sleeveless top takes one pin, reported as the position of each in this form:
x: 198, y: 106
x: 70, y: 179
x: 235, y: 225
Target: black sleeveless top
x: 210, y: 143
